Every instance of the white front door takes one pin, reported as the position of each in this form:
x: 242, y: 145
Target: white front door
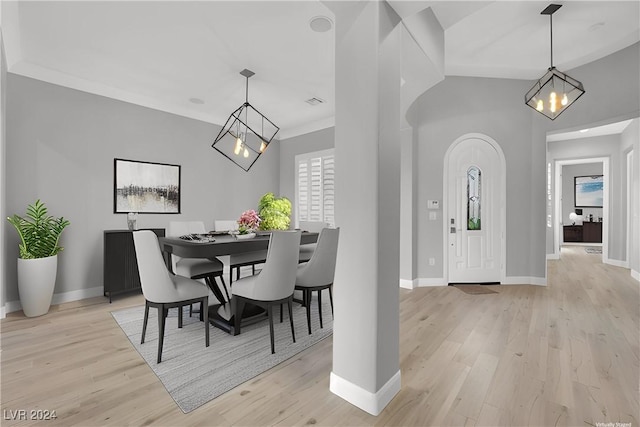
x: 475, y: 209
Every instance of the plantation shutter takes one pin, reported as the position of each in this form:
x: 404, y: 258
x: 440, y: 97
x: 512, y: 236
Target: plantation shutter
x: 315, y: 187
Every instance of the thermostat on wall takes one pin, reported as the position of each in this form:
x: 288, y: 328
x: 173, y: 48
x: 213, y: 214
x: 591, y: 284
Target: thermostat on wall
x: 433, y: 204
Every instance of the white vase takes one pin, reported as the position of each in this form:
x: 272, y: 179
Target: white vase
x: 36, y: 281
x: 245, y: 236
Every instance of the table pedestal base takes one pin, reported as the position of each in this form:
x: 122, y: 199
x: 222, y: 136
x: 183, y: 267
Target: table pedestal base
x: 250, y: 315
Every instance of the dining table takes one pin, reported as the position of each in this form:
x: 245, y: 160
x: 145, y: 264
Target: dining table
x: 213, y: 245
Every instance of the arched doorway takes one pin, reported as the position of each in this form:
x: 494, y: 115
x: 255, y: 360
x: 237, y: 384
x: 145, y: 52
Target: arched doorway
x: 474, y: 203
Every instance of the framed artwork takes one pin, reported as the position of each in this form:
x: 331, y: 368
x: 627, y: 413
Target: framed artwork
x: 588, y: 191
x: 145, y: 187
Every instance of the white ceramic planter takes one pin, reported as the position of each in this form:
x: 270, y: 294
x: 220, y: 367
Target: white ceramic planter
x: 245, y: 236
x: 36, y: 281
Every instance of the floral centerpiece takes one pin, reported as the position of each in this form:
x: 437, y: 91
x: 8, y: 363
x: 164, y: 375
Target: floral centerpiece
x: 248, y: 222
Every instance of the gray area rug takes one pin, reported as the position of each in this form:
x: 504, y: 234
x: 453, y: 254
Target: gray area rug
x: 596, y: 250
x: 194, y: 374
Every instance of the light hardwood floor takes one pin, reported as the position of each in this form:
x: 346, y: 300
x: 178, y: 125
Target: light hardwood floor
x: 565, y: 354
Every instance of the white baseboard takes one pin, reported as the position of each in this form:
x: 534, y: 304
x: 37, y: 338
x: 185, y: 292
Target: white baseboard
x: 61, y: 298
x: 407, y: 284
x: 434, y: 281
x: 616, y: 263
x: 2, y: 312
x: 635, y: 275
x: 553, y: 256
x: 372, y: 403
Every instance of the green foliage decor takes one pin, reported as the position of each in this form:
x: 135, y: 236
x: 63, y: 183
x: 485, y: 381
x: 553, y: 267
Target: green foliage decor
x: 275, y: 213
x: 39, y: 232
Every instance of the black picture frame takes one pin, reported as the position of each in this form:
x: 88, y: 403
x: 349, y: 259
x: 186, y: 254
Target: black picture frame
x: 588, y: 191
x: 146, y: 187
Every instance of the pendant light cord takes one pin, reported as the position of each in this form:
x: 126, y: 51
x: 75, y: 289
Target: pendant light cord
x: 551, y: 30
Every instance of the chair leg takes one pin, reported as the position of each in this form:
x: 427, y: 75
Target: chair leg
x: 202, y: 307
x: 281, y: 318
x: 190, y: 309
x: 320, y: 306
x: 307, y: 297
x: 161, y: 323
x: 289, y: 304
x: 180, y: 317
x: 270, y: 314
x: 331, y: 298
x: 204, y: 311
x: 237, y: 306
x: 144, y: 322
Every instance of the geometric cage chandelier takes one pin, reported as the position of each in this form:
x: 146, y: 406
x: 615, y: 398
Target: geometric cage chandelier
x: 555, y: 91
x: 246, y: 134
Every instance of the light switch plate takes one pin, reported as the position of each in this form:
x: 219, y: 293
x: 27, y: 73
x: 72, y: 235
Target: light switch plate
x: 433, y: 204
x: 432, y: 216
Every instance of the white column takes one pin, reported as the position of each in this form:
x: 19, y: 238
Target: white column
x: 367, y: 148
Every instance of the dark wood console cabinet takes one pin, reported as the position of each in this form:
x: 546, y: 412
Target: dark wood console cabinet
x: 588, y: 232
x: 120, y: 265
x: 592, y: 232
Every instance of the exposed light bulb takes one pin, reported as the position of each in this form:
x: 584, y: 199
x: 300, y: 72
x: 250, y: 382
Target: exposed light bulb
x: 246, y: 153
x: 552, y: 106
x: 238, y: 146
x: 540, y: 105
x: 565, y: 100
x: 552, y: 95
x: 263, y: 146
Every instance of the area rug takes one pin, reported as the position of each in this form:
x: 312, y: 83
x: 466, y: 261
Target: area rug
x: 475, y: 289
x: 591, y: 250
x: 194, y: 374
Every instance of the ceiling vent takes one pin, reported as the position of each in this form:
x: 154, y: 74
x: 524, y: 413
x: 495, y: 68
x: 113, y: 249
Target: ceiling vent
x: 314, y: 101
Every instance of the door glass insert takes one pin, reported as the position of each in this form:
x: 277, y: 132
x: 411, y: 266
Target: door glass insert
x: 474, y: 184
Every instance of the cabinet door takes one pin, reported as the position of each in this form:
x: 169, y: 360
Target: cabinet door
x: 592, y: 232
x: 120, y: 263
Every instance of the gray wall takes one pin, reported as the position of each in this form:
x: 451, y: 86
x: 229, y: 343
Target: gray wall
x: 494, y: 107
x: 458, y: 106
x: 60, y: 148
x: 3, y: 162
x: 569, y: 172
x: 289, y: 148
x: 630, y: 140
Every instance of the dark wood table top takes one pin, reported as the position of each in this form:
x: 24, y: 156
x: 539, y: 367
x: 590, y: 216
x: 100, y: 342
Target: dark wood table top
x: 223, y: 245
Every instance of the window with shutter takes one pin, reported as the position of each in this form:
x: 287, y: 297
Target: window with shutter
x: 315, y: 187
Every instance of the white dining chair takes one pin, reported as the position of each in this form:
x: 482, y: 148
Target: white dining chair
x: 317, y: 274
x: 237, y: 261
x: 274, y: 284
x: 197, y: 268
x: 163, y: 290
x: 306, y: 251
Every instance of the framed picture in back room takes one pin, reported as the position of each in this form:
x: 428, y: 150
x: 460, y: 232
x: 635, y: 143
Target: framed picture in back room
x: 145, y: 187
x: 588, y: 191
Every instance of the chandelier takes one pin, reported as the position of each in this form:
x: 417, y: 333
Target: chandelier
x: 246, y: 133
x: 555, y: 91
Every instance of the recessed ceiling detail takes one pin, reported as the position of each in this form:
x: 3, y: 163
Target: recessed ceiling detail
x: 321, y: 24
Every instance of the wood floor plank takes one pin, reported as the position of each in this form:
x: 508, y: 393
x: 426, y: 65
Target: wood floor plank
x: 564, y: 354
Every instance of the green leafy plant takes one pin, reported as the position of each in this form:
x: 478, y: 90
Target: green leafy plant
x: 275, y: 213
x: 39, y: 232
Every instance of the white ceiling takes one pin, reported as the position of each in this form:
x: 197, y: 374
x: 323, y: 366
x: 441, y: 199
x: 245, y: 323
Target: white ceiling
x: 609, y: 129
x: 163, y: 54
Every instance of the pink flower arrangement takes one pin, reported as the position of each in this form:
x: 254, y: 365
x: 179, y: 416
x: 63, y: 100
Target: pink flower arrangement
x: 248, y: 221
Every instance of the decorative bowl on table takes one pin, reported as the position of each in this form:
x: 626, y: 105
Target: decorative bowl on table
x: 245, y: 236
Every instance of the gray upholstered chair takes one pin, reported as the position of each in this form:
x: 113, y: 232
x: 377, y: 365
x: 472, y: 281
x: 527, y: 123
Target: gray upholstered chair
x: 317, y: 274
x: 163, y: 290
x: 236, y: 261
x: 273, y: 285
x: 306, y: 251
x: 195, y: 268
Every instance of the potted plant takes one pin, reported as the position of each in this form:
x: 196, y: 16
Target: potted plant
x: 38, y: 260
x: 274, y: 212
x: 247, y: 224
